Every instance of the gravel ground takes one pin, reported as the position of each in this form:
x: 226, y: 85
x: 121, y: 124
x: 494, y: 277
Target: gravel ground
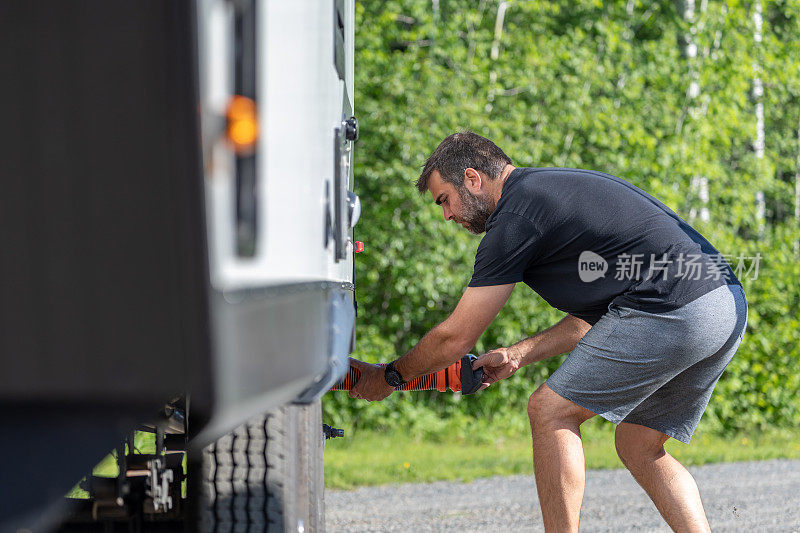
x: 758, y: 496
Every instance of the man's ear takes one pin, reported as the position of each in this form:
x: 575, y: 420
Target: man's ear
x: 472, y: 180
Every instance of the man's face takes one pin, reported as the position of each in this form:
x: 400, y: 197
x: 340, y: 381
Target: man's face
x: 460, y: 205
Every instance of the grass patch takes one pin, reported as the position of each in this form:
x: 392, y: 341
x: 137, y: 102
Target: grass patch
x: 144, y: 442
x: 376, y: 458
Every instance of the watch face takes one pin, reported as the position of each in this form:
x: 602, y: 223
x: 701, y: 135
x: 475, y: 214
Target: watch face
x: 393, y: 377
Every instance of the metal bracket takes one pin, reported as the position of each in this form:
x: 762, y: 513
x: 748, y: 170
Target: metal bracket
x: 160, y: 479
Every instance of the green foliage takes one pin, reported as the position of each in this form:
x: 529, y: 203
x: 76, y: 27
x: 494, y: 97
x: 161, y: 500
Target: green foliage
x: 583, y: 84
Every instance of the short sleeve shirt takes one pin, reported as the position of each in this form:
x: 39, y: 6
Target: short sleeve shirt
x: 584, y: 240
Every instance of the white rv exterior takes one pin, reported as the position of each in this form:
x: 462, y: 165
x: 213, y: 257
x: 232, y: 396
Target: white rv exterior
x: 172, y: 273
x: 283, y: 314
x: 300, y: 105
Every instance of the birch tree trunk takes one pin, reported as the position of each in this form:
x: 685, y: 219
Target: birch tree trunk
x: 758, y: 96
x: 495, y: 53
x: 699, y: 183
x: 797, y: 193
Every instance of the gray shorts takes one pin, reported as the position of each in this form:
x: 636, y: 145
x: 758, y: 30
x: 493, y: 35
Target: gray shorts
x: 655, y: 369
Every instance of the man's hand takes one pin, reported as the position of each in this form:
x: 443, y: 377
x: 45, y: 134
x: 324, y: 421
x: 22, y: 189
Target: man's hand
x: 371, y: 385
x: 500, y: 363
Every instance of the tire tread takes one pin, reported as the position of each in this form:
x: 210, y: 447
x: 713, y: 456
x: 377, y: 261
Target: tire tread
x: 266, y: 475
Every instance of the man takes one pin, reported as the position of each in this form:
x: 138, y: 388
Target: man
x: 654, y: 315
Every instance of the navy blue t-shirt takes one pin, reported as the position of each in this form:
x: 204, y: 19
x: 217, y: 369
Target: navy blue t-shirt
x: 584, y: 240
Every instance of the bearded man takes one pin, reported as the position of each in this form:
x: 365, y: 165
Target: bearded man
x: 653, y: 316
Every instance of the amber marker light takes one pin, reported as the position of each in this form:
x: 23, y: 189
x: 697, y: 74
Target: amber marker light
x: 242, y: 130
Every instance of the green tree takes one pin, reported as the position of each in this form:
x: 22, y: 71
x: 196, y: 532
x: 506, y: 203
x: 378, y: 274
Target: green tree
x: 587, y: 84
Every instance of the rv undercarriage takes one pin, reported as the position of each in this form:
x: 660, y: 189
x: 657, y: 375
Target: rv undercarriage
x: 267, y: 474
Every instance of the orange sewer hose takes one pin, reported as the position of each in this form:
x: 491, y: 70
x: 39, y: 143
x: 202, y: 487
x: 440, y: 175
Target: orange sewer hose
x: 448, y: 378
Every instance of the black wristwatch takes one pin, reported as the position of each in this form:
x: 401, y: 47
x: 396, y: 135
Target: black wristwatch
x: 392, y: 376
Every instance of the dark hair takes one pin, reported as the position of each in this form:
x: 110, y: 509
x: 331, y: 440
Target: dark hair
x: 459, y: 152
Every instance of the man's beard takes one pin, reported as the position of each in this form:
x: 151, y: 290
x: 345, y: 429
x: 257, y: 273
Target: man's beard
x: 475, y: 211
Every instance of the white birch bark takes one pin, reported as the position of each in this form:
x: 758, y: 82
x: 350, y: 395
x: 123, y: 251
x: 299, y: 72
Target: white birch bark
x: 495, y: 53
x: 699, y: 183
x: 759, y: 145
x: 797, y: 193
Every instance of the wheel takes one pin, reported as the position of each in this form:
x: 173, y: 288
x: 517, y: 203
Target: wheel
x: 266, y: 475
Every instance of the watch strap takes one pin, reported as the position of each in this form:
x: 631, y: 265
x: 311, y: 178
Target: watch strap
x: 392, y: 376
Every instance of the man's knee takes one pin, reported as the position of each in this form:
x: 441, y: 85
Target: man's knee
x: 638, y: 445
x: 546, y: 408
x: 533, y: 406
x: 541, y: 406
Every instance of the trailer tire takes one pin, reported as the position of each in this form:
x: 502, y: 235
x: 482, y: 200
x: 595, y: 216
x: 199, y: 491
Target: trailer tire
x: 266, y: 475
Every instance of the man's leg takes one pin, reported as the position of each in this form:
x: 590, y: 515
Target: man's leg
x: 666, y: 481
x: 558, y: 457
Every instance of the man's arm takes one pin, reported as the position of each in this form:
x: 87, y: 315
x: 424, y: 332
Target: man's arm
x: 443, y: 345
x: 502, y: 363
x: 555, y: 340
x: 449, y: 341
